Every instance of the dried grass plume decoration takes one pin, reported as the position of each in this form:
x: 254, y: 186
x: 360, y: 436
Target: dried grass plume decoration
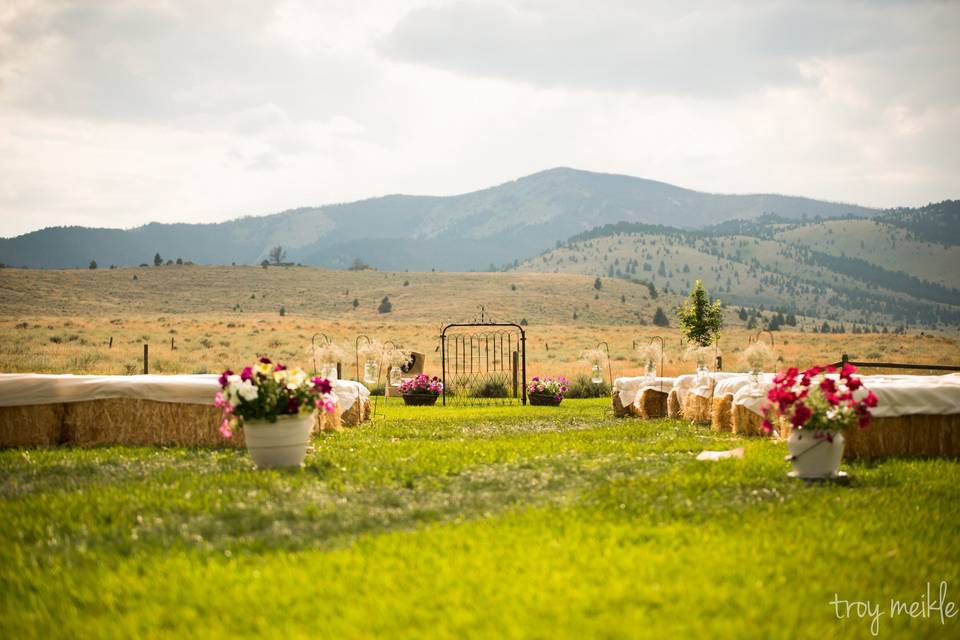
x: 595, y: 356
x: 701, y: 355
x: 372, y: 350
x: 650, y: 353
x: 396, y: 357
x: 757, y: 355
x: 329, y: 352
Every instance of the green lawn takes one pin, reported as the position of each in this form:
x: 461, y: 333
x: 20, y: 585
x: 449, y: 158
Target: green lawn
x: 443, y: 522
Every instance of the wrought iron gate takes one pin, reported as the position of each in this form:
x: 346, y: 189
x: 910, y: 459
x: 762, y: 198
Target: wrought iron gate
x: 484, y: 363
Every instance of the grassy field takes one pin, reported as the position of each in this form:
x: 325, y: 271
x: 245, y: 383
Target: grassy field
x: 440, y: 522
x: 64, y: 321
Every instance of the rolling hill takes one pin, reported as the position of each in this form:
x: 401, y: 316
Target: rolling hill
x: 854, y: 270
x: 467, y: 232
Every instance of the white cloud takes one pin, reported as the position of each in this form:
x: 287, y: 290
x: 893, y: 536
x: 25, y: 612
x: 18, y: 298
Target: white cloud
x: 115, y: 114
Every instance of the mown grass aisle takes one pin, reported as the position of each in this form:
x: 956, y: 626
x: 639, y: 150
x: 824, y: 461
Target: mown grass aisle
x: 441, y: 522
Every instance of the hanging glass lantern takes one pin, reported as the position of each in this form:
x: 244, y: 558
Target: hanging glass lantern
x: 756, y: 382
x: 370, y: 372
x: 703, y: 375
x: 328, y: 370
x: 650, y: 370
x: 596, y: 374
x: 395, y: 374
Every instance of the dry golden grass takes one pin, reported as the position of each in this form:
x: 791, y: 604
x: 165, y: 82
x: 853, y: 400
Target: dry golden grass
x: 63, y: 321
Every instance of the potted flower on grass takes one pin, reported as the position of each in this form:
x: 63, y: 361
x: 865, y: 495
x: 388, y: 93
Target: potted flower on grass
x: 819, y: 405
x: 274, y: 406
x: 421, y: 391
x: 546, y: 391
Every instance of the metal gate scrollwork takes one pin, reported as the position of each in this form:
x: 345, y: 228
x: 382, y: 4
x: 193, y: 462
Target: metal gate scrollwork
x: 484, y: 363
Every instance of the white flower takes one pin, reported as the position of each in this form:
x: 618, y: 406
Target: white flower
x: 263, y: 368
x: 295, y: 378
x: 248, y: 391
x: 280, y: 376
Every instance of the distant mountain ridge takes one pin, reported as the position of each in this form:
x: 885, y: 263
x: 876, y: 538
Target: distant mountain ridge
x: 464, y: 232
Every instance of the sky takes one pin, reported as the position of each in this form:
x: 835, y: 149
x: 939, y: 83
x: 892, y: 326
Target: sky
x: 117, y: 113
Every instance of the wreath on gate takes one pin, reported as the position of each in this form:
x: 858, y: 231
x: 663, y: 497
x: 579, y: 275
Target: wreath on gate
x: 411, y: 361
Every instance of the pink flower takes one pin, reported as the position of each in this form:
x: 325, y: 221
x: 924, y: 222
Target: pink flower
x: 223, y: 378
x: 247, y: 373
x: 218, y: 399
x: 279, y: 367
x: 225, y: 429
x: 871, y: 399
x: 766, y: 425
x: 322, y: 385
x: 813, y: 372
x: 801, y: 414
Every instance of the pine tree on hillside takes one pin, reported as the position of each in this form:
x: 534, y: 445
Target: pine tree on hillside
x: 660, y: 318
x: 700, y: 319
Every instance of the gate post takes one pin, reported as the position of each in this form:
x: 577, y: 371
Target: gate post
x: 515, y: 366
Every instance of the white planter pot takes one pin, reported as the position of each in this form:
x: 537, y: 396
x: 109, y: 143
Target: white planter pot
x: 278, y: 444
x: 814, y: 457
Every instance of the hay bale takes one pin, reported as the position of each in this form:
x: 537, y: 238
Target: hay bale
x: 323, y: 421
x: 38, y: 425
x: 746, y: 422
x: 696, y: 409
x: 674, y: 410
x: 144, y: 422
x: 619, y: 411
x: 721, y: 413
x: 918, y: 435
x: 653, y: 403
x: 357, y: 414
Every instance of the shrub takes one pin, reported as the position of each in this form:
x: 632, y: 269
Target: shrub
x: 492, y: 389
x: 385, y: 305
x: 582, y: 387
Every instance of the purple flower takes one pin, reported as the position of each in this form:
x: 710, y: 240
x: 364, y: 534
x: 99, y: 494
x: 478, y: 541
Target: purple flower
x: 265, y: 360
x: 223, y: 378
x: 246, y: 374
x: 293, y: 404
x: 322, y: 384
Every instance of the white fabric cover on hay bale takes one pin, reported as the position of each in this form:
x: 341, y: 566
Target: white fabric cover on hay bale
x: 915, y: 416
x: 134, y: 410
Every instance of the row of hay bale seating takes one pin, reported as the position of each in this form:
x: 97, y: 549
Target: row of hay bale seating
x: 176, y: 410
x: 916, y: 415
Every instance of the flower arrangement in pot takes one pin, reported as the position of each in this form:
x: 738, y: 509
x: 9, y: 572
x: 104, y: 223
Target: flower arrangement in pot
x: 818, y: 405
x: 546, y: 391
x: 274, y: 406
x: 422, y: 390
